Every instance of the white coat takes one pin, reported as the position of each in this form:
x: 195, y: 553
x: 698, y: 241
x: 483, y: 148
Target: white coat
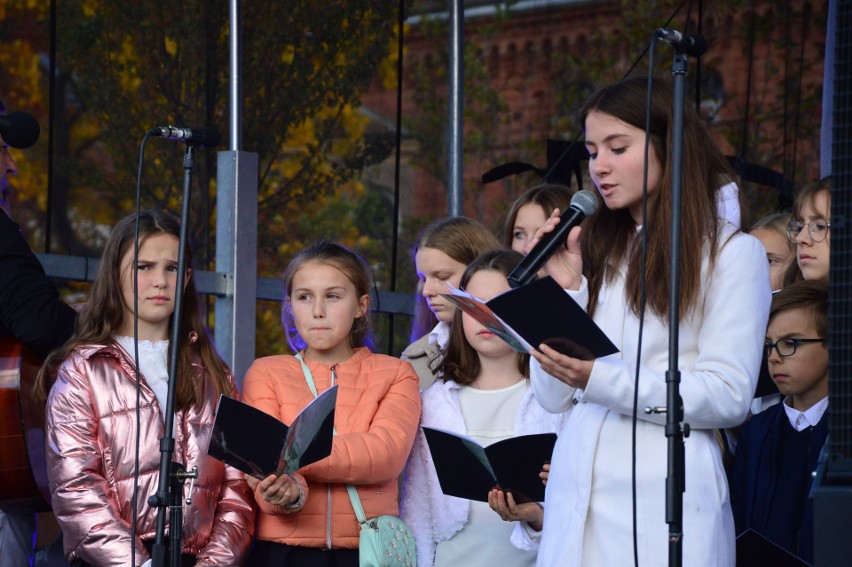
x: 588, y: 503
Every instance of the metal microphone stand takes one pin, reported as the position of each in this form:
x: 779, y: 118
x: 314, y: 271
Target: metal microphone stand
x: 675, y: 479
x: 172, y: 475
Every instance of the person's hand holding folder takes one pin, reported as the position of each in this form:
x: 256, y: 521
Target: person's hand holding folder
x: 283, y: 490
x: 572, y: 371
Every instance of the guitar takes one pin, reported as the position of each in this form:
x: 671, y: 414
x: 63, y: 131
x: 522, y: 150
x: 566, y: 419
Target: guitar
x: 23, y: 471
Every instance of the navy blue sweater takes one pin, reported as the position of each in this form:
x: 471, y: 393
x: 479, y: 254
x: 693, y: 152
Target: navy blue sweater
x: 771, y: 479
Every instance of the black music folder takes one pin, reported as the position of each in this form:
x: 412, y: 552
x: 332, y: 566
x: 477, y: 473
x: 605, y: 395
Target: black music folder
x: 468, y: 470
x: 535, y: 313
x: 754, y: 550
x: 256, y: 443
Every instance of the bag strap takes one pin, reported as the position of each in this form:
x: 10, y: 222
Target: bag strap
x: 309, y: 378
x: 353, y: 492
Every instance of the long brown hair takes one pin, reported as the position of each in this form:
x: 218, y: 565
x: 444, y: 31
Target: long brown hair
x: 102, y: 317
x: 353, y: 267
x: 607, y: 237
x: 461, y: 364
x: 460, y: 238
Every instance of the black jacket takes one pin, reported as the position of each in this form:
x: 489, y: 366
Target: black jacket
x: 30, y: 307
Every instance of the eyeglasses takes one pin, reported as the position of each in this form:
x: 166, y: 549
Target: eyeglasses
x: 786, y: 347
x: 817, y: 228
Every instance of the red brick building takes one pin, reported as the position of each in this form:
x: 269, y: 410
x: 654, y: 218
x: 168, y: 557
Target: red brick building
x: 760, y: 80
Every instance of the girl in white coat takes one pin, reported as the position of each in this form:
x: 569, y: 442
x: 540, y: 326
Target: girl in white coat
x: 724, y: 302
x: 484, y: 394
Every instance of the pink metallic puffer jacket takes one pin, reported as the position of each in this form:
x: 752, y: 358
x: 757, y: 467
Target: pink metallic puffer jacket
x: 90, y: 446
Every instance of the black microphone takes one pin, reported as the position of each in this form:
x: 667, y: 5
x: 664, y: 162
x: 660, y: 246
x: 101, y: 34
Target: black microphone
x: 583, y: 204
x: 690, y: 43
x: 19, y: 130
x: 207, y: 137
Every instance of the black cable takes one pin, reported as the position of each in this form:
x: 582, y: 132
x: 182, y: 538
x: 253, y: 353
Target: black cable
x: 51, y: 98
x: 644, y: 51
x: 636, y: 62
x: 744, y: 141
x: 643, y: 281
x: 806, y: 18
x: 136, y: 352
x: 698, y: 62
x: 397, y: 164
x: 787, y: 39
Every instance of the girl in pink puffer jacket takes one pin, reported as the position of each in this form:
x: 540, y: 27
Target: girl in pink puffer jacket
x: 105, y: 419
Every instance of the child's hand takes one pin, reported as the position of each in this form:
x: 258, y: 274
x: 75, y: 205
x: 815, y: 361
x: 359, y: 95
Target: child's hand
x: 545, y: 472
x: 279, y: 490
x: 504, y: 504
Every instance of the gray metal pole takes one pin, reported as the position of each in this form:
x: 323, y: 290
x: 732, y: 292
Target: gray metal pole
x: 455, y: 126
x: 236, y: 228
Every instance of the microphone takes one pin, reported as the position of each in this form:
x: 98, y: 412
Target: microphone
x: 690, y: 43
x: 207, y: 137
x: 583, y: 204
x: 19, y: 130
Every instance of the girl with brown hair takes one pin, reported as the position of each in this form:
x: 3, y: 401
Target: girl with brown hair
x: 101, y: 406
x: 723, y: 307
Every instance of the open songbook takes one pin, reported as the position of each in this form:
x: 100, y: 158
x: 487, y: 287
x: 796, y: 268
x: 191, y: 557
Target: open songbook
x: 535, y: 313
x: 258, y: 444
x: 468, y: 470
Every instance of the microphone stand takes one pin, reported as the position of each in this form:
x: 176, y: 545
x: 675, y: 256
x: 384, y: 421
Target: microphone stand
x: 172, y: 475
x: 675, y: 479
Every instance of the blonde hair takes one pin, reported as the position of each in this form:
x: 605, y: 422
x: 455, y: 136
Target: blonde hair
x: 460, y: 238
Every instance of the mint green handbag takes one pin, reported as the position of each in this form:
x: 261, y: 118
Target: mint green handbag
x: 384, y: 541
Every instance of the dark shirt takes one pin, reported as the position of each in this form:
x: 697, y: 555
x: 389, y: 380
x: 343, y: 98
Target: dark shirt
x: 30, y: 308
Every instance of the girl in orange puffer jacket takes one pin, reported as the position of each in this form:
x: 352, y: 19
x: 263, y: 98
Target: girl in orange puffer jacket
x: 307, y: 518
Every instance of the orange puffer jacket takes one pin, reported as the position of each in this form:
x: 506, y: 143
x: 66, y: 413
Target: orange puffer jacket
x: 376, y: 417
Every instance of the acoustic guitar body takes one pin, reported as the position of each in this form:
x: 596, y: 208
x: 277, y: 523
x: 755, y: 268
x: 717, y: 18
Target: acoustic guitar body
x: 23, y: 471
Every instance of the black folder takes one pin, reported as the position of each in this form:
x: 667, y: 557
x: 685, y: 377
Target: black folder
x: 535, y: 313
x: 468, y: 470
x: 754, y: 550
x: 256, y: 443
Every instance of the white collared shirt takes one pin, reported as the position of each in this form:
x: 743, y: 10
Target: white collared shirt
x: 440, y: 334
x: 801, y: 420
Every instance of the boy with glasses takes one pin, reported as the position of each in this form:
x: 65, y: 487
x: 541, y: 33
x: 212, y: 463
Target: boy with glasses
x: 778, y: 449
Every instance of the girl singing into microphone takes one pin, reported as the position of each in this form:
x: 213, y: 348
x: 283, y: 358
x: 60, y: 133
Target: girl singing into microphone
x: 723, y: 309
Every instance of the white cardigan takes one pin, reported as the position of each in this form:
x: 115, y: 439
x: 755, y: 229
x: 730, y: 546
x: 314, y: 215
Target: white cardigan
x: 719, y: 357
x: 432, y: 516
